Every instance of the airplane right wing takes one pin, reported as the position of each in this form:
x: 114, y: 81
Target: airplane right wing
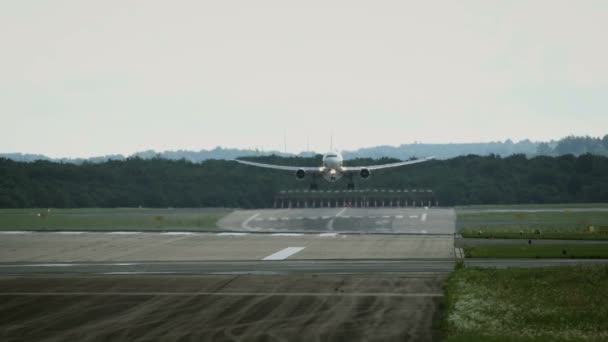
x: 385, y: 166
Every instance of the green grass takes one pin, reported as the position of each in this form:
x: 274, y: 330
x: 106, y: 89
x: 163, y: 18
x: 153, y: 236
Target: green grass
x: 519, y: 304
x: 581, y: 225
x: 534, y: 206
x: 537, y: 251
x: 110, y: 219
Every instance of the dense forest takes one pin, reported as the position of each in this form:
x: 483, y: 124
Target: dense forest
x: 159, y: 182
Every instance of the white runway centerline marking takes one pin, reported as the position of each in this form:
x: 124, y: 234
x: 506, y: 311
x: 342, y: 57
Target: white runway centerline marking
x: 15, y: 232
x: 423, y: 218
x: 232, y: 234
x: 284, y: 253
x: 124, y: 233
x: 287, y: 234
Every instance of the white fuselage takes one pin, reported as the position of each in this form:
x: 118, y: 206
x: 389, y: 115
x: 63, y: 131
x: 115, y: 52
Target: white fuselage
x: 332, y: 166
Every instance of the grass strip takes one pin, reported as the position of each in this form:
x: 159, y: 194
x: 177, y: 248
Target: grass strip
x: 519, y: 304
x: 580, y: 225
x: 109, y: 219
x: 533, y: 206
x: 566, y: 251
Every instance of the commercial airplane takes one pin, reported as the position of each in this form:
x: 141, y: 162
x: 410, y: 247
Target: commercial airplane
x: 333, y: 169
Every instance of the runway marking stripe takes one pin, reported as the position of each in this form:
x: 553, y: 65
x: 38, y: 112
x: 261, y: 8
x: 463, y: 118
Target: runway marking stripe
x: 287, y: 234
x: 15, y: 232
x: 328, y: 234
x: 177, y: 233
x: 71, y: 264
x: 253, y: 294
x: 232, y: 234
x: 245, y: 224
x: 284, y: 253
x: 123, y: 233
x: 50, y: 265
x: 423, y: 218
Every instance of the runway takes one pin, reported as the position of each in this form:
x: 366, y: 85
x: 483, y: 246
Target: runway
x: 285, y: 267
x: 121, y: 246
x: 220, y: 307
x: 424, y: 221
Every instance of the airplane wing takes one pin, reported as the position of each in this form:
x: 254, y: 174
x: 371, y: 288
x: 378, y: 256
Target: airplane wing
x: 386, y: 166
x: 279, y: 167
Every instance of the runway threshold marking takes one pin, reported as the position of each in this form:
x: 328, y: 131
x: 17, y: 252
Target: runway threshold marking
x: 330, y: 224
x: 245, y: 224
x: 284, y: 253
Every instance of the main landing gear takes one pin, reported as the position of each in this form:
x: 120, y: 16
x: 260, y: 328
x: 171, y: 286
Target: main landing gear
x: 351, y: 185
x: 313, y: 185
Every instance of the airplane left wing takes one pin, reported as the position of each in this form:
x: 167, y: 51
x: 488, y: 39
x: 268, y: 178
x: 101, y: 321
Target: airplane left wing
x: 279, y: 167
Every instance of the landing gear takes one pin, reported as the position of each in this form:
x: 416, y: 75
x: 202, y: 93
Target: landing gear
x: 313, y: 185
x: 351, y: 185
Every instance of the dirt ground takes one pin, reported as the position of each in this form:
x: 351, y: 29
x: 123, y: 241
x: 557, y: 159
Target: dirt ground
x: 393, y: 307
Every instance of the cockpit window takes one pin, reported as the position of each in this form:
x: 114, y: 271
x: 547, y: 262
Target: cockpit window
x: 332, y: 156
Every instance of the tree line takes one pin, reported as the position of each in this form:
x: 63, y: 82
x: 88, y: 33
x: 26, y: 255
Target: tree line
x: 575, y: 145
x: 160, y: 182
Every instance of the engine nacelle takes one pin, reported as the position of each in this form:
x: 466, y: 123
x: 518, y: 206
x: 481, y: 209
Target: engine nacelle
x: 300, y: 174
x: 365, y: 173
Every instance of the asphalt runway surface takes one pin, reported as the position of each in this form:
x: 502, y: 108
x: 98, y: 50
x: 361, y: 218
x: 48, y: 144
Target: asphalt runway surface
x: 220, y: 308
x: 344, y: 220
x: 372, y: 275
x: 185, y: 246
x: 282, y: 267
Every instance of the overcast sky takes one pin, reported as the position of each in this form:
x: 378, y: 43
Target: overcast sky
x: 83, y: 78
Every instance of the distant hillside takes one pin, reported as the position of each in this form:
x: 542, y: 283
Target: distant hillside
x: 568, y: 145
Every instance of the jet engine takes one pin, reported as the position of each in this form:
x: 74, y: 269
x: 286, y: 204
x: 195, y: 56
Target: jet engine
x: 300, y: 174
x: 365, y: 173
